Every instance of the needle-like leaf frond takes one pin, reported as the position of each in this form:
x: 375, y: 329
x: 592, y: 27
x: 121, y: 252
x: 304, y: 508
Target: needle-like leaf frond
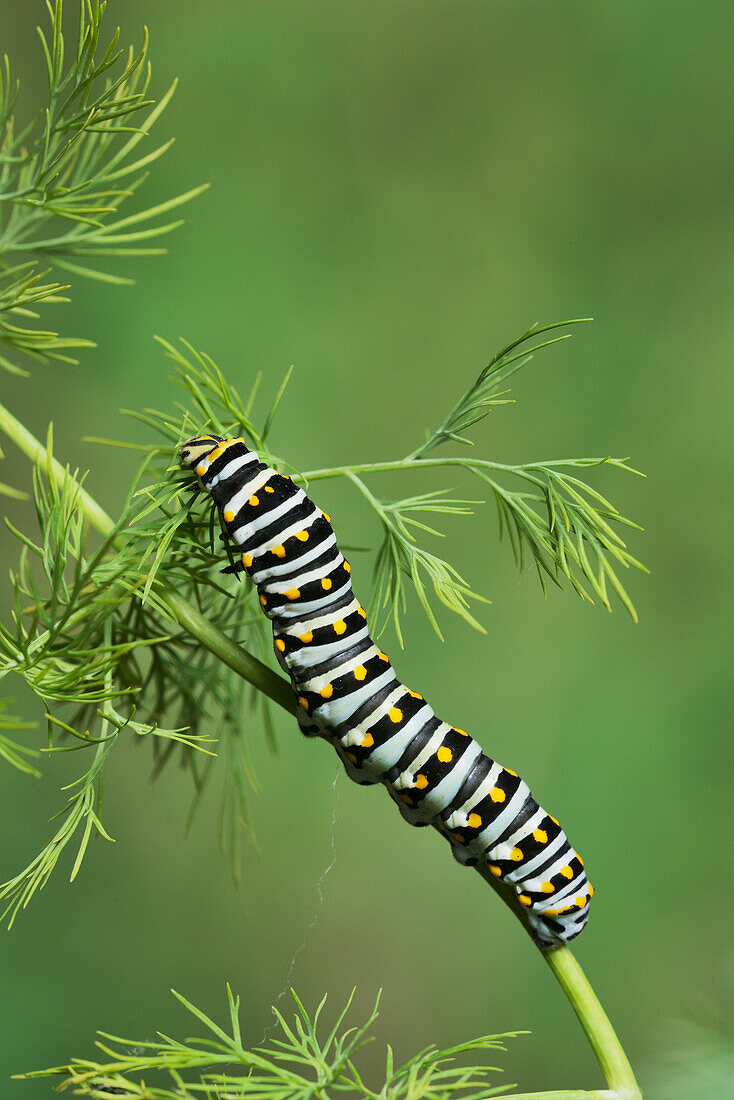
x: 299, y: 1064
x: 66, y: 175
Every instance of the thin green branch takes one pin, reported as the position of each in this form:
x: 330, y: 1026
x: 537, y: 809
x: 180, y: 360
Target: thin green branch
x: 481, y: 463
x: 485, y: 393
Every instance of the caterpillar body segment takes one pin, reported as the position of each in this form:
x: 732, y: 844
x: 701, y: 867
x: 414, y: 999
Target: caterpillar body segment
x: 348, y: 693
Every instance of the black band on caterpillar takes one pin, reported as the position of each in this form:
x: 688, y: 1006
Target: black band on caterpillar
x: 348, y: 693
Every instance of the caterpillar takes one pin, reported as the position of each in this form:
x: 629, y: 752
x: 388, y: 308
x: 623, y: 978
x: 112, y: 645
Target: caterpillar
x: 348, y: 693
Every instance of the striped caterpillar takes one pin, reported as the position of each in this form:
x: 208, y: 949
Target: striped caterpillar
x: 348, y: 693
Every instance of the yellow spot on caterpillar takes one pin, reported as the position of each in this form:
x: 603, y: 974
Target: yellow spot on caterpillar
x: 326, y: 516
x: 384, y: 657
x: 497, y: 794
x: 326, y: 584
x: 474, y: 821
x: 360, y: 672
x: 496, y: 871
x: 280, y: 645
x: 551, y: 912
x: 421, y: 781
x: 340, y: 627
x: 578, y: 857
x: 307, y: 637
x: 445, y: 755
x: 303, y: 701
x: 554, y: 820
x: 406, y: 799
x: 279, y: 551
x: 269, y: 489
x: 247, y: 560
x: 511, y: 772
x: 327, y: 692
x: 347, y: 567
x: 263, y: 601
x: 228, y: 516
x: 548, y: 888
x: 567, y: 872
x: 540, y: 836
x: 253, y: 501
x: 292, y: 593
x: 201, y: 470
x: 462, y: 732
x: 368, y: 741
x: 395, y: 715
x: 516, y: 855
x: 581, y: 901
x: 302, y: 536
x: 524, y: 899
x: 361, y: 611
x: 591, y: 891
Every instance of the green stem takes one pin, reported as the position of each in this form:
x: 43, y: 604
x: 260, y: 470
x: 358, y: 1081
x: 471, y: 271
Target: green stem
x: 595, y: 1022
x: 525, y: 471
x: 239, y: 660
x: 597, y: 1028
x: 404, y: 464
x: 37, y: 453
x: 568, y: 973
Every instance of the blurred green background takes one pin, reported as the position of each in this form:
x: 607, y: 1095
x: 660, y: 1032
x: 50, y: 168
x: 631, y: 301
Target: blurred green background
x: 398, y: 189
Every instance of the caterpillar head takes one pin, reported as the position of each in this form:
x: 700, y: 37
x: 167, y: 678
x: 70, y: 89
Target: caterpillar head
x: 196, y: 448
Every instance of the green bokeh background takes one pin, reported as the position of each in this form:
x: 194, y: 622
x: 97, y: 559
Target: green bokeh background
x: 398, y: 189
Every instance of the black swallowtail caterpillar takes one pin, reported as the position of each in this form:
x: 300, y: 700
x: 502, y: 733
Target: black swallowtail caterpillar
x: 348, y: 693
